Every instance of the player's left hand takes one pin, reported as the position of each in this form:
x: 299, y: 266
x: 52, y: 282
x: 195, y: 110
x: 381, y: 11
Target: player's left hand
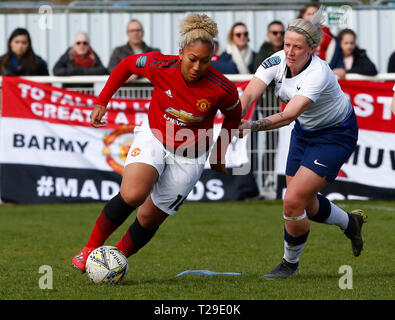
x: 244, y: 128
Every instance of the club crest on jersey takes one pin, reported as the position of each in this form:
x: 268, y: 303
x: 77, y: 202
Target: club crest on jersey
x: 183, y: 116
x: 270, y: 62
x: 135, y: 152
x: 141, y: 61
x: 203, y: 104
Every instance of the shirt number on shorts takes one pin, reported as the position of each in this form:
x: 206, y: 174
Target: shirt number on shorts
x: 176, y: 204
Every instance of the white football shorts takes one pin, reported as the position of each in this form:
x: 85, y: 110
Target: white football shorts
x: 177, y: 175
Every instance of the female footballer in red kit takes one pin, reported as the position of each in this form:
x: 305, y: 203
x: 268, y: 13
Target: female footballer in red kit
x: 168, y: 153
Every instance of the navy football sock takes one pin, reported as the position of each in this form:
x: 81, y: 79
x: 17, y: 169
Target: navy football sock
x: 324, y: 209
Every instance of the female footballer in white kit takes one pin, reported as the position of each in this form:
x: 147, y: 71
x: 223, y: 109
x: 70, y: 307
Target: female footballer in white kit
x: 323, y: 138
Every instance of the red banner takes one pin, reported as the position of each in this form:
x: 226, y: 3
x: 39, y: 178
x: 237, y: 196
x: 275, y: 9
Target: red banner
x: 372, y: 104
x: 47, y: 103
x: 49, y: 152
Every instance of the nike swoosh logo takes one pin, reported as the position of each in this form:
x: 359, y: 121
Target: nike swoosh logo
x: 320, y: 164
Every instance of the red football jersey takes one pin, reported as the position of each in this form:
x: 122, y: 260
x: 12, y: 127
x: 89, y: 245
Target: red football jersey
x: 177, y: 105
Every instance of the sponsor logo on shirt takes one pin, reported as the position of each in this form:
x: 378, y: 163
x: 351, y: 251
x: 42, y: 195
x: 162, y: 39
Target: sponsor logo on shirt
x: 141, y: 61
x: 183, y: 116
x: 270, y: 62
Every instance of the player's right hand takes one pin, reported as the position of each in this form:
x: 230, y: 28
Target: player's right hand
x: 97, y: 115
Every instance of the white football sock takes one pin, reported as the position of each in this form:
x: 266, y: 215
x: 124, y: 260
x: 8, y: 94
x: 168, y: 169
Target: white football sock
x: 337, y: 217
x: 292, y: 252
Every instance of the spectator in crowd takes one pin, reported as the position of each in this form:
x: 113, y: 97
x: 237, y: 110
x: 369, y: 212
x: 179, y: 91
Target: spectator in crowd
x: 216, y: 49
x: 328, y: 42
x: 238, y: 56
x: 308, y: 10
x: 336, y: 62
x: 135, y: 45
x: 80, y: 59
x: 355, y: 59
x: 391, y: 64
x: 20, y: 59
x: 275, y: 34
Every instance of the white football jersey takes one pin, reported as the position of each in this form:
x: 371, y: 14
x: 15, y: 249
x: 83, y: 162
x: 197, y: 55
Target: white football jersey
x: 316, y: 82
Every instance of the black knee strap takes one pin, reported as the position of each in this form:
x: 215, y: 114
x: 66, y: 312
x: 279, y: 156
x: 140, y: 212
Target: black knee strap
x: 324, y: 209
x: 117, y: 210
x: 140, y: 235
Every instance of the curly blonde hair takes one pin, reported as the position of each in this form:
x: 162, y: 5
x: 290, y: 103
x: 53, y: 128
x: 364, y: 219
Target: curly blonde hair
x: 197, y: 27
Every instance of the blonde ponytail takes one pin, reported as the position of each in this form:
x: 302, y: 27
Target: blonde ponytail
x: 311, y: 29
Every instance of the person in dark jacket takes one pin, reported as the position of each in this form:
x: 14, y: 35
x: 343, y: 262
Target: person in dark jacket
x: 238, y: 56
x: 80, y: 59
x: 355, y: 59
x: 391, y: 63
x: 20, y: 59
x: 135, y: 45
x: 275, y: 34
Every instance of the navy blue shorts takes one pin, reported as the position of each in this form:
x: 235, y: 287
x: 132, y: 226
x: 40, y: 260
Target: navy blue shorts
x: 323, y: 151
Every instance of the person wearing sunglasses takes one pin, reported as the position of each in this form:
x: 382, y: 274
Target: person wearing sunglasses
x: 80, y: 59
x: 275, y: 34
x: 238, y: 56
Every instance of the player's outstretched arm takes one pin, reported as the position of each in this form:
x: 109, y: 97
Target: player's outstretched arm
x: 252, y: 92
x: 293, y: 109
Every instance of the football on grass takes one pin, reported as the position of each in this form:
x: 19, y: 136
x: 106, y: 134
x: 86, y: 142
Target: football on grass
x: 107, y: 265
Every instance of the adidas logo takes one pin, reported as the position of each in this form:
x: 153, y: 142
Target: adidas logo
x: 168, y: 92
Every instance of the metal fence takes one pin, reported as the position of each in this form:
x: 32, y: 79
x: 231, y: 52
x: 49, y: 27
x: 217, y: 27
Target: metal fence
x: 52, y: 33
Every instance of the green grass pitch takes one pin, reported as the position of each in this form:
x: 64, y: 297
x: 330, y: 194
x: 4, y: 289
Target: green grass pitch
x: 242, y: 237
